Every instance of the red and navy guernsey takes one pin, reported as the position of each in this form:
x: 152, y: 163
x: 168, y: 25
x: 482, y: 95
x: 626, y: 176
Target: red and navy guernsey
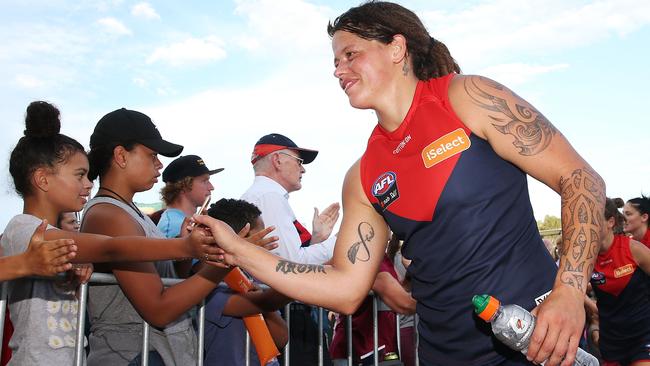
x: 622, y: 292
x: 467, y: 223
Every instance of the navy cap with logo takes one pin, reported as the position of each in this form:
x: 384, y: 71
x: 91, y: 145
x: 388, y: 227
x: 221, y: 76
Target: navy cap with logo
x: 274, y: 142
x: 186, y: 166
x: 124, y: 125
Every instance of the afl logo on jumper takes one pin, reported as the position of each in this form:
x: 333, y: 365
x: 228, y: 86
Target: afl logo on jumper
x: 385, y: 189
x: 598, y: 278
x: 445, y: 147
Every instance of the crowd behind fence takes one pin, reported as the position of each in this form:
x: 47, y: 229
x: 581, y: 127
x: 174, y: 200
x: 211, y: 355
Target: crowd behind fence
x: 108, y: 279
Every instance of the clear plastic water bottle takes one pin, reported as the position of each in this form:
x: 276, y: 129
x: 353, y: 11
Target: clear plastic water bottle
x: 514, y: 325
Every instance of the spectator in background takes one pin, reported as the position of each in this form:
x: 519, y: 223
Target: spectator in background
x: 42, y: 258
x: 389, y: 285
x: 392, y: 298
x: 406, y: 321
x: 278, y: 165
x: 124, y: 150
x: 68, y: 221
x: 225, y: 332
x: 187, y: 185
x: 637, y: 219
x: 49, y: 172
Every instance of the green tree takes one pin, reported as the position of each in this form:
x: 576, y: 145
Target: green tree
x: 549, y: 222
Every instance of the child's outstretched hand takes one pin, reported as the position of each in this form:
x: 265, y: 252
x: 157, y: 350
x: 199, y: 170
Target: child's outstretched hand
x: 48, y: 257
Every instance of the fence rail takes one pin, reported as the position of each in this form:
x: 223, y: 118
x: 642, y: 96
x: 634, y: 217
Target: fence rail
x: 107, y: 279
x: 550, y: 232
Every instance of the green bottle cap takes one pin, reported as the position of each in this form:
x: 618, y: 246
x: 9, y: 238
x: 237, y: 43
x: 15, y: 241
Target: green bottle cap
x: 480, y: 302
x: 485, y: 306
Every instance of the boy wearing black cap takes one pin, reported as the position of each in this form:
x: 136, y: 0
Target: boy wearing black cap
x: 187, y: 185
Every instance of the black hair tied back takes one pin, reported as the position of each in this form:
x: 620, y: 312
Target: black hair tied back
x: 42, y: 145
x: 611, y: 210
x: 618, y: 202
x: 42, y: 120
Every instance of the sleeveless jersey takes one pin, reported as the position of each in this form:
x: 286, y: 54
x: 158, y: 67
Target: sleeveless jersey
x: 622, y: 292
x: 467, y: 223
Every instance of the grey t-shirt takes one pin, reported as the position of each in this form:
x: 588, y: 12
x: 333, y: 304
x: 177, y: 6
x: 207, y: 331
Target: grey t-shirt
x: 115, y: 326
x: 43, y: 312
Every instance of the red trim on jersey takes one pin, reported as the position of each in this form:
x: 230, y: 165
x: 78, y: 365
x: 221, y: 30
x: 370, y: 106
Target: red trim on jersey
x: 429, y: 120
x: 617, y: 264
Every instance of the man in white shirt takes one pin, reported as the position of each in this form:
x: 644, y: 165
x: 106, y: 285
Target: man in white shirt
x: 278, y: 165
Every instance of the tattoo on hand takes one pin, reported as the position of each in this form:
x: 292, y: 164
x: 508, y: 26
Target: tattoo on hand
x: 286, y: 267
x: 531, y: 130
x: 366, y: 233
x: 583, y: 206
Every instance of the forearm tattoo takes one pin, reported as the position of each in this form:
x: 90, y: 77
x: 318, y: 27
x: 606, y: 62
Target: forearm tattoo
x: 286, y: 267
x: 511, y: 115
x: 366, y: 233
x: 583, y: 207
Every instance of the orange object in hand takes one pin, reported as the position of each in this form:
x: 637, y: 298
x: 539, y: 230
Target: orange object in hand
x: 259, y: 332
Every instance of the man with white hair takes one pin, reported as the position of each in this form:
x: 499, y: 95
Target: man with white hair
x: 278, y: 165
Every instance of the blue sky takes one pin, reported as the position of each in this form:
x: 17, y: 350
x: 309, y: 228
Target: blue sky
x: 217, y: 75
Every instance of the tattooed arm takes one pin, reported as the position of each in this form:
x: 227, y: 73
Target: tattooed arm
x: 340, y: 286
x: 522, y: 135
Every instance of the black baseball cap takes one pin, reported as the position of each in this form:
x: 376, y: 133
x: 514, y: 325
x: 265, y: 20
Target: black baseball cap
x: 186, y: 166
x: 274, y: 142
x: 124, y: 125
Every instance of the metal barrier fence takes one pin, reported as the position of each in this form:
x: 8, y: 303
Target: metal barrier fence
x: 107, y: 279
x: 550, y: 232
